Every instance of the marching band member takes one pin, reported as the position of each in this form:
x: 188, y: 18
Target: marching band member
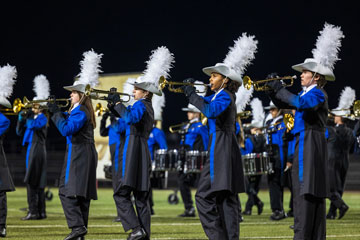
x: 157, y: 140
x: 340, y: 151
x: 113, y: 131
x: 33, y: 126
x: 78, y: 177
x: 254, y: 143
x: 310, y: 166
x: 134, y: 168
x: 7, y: 80
x: 276, y: 129
x: 196, y: 138
x: 222, y: 176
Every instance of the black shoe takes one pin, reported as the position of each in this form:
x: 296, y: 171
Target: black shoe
x: 81, y: 238
x: 241, y: 218
x: 2, y: 231
x: 331, y: 215
x: 76, y: 232
x: 117, y: 219
x: 277, y: 215
x: 136, y: 235
x: 260, y: 207
x: 290, y: 213
x: 247, y: 212
x: 188, y: 213
x: 291, y: 227
x: 30, y: 216
x: 342, y: 211
x: 42, y: 216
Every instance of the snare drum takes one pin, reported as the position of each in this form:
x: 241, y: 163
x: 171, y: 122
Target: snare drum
x: 160, y: 160
x: 256, y: 164
x: 174, y: 158
x: 194, y: 161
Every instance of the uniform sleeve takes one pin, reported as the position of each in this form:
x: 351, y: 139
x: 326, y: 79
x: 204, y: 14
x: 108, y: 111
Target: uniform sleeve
x: 121, y: 126
x: 248, y: 147
x: 38, y: 123
x: 311, y: 100
x: 161, y: 139
x: 72, y: 124
x: 4, y: 124
x: 214, y: 108
x: 132, y: 114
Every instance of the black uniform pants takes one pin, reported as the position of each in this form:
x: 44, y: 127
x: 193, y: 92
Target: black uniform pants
x: 3, y: 208
x: 129, y: 218
x: 185, y: 181
x: 218, y: 211
x: 252, y: 189
x: 36, y: 200
x: 288, y: 183
x: 276, y: 190
x: 76, y: 210
x: 113, y: 177
x: 309, y: 215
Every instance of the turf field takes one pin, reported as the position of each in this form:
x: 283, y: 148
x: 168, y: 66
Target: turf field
x: 165, y: 223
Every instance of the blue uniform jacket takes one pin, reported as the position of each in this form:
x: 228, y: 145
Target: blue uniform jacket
x: 157, y: 136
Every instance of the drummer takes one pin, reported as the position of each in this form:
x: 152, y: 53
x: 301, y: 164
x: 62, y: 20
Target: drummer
x: 254, y: 143
x: 196, y: 138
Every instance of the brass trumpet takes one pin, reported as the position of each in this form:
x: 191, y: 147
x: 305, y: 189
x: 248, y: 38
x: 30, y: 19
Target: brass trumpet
x: 178, y: 127
x: 8, y: 111
x: 99, y: 109
x: 260, y: 84
x: 95, y: 93
x: 18, y: 105
x: 244, y: 114
x: 163, y: 83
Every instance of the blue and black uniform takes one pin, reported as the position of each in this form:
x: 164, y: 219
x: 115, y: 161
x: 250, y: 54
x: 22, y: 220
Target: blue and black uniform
x: 196, y: 138
x: 310, y: 166
x: 157, y: 140
x: 6, y: 182
x: 114, y: 131
x: 222, y: 176
x: 33, y: 128
x: 77, y: 184
x: 253, y: 144
x: 133, y: 173
x: 340, y: 141
x: 276, y: 129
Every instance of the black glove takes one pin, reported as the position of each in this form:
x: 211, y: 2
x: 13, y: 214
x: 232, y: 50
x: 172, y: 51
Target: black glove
x: 105, y: 115
x: 188, y: 89
x: 113, y: 98
x: 274, y: 85
x: 53, y: 108
x: 29, y: 114
x: 189, y: 80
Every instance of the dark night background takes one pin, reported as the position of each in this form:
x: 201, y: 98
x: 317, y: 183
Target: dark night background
x: 49, y: 38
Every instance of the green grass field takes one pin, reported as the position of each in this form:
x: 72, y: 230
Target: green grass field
x: 165, y: 223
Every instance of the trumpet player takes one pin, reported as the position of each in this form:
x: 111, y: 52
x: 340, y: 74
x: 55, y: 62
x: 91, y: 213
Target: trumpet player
x: 115, y: 131
x: 133, y: 175
x: 33, y: 126
x: 310, y: 164
x: 222, y: 176
x: 77, y: 184
x: 7, y: 80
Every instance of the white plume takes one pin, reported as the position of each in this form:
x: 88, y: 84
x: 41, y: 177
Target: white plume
x: 159, y: 64
x: 128, y: 89
x: 241, y: 55
x: 257, y: 110
x: 90, y: 69
x: 328, y: 45
x: 158, y: 103
x: 243, y: 97
x: 41, y: 87
x: 347, y: 98
x: 201, y: 88
x: 8, y: 75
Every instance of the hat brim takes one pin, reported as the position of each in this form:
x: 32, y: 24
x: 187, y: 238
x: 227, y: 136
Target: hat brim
x: 223, y: 70
x: 77, y: 87
x: 315, y: 67
x: 5, y: 103
x: 147, y: 86
x: 340, y: 113
x: 270, y: 107
x: 190, y: 110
